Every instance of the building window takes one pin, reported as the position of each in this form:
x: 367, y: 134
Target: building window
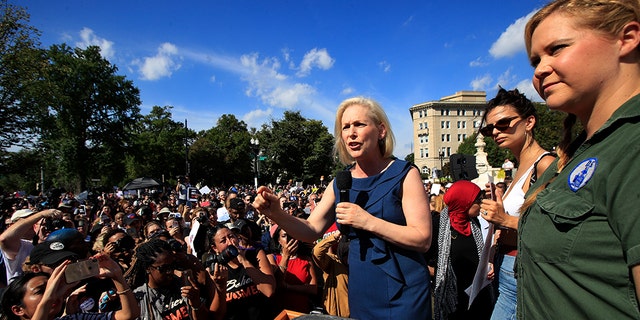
x: 426, y: 152
x: 448, y: 124
x: 476, y: 123
x: 448, y: 137
x: 442, y: 124
x: 425, y: 170
x: 420, y: 126
x: 444, y: 136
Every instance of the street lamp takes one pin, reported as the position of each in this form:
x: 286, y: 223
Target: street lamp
x: 255, y: 147
x: 441, y: 154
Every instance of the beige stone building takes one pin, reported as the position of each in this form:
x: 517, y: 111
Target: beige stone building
x: 439, y: 127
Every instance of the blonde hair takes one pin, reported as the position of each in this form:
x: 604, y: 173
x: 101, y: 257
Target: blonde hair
x: 439, y: 202
x: 379, y: 117
x: 605, y: 16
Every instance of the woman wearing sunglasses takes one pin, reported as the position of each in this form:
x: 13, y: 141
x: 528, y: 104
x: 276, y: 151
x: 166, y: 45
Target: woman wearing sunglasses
x: 160, y: 293
x: 511, y: 118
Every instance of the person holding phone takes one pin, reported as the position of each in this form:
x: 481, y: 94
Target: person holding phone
x: 40, y: 295
x: 297, y: 283
x: 160, y: 293
x: 510, y: 120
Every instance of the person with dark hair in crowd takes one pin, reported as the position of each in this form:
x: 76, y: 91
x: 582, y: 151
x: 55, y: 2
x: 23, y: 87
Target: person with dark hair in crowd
x: 510, y: 121
x: 119, y: 246
x: 456, y: 254
x: 387, y: 217
x: 250, y: 281
x: 578, y: 239
x: 159, y: 291
x: 41, y: 295
x: 294, y: 271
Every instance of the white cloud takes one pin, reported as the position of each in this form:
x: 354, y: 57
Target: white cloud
x: 266, y: 82
x: 163, y: 64
x: 482, y: 83
x: 526, y: 87
x: 289, y: 96
x: 506, y: 79
x: 315, y: 58
x: 255, y: 118
x: 89, y: 38
x: 385, y: 66
x: 477, y: 63
x: 347, y: 91
x: 212, y: 79
x: 511, y: 41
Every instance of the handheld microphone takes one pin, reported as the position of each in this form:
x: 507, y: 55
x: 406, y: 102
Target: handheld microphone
x: 343, y: 182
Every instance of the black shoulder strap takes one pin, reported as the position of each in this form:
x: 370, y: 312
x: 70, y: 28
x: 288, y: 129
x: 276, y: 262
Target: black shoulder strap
x: 534, y: 171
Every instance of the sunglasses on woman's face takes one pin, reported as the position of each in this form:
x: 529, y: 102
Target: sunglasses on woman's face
x: 165, y: 268
x: 500, y: 125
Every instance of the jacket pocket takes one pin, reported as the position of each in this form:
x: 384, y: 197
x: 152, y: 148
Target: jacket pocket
x: 558, y: 226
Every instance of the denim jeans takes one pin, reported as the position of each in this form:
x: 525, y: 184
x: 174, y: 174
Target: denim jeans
x: 505, y: 307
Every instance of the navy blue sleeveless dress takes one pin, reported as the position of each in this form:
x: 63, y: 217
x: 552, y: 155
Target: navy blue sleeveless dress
x: 385, y: 281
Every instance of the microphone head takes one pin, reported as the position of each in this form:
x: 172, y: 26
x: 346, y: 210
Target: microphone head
x: 343, y: 180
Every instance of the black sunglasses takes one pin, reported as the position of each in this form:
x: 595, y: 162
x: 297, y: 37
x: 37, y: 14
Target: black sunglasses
x: 501, y: 125
x: 165, y: 268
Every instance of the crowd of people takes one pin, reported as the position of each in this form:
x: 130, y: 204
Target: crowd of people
x: 176, y: 258
x: 377, y: 243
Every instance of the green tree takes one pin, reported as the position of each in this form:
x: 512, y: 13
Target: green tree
x: 91, y: 110
x: 222, y: 154
x: 20, y: 66
x: 157, y: 146
x: 20, y: 170
x: 296, y: 148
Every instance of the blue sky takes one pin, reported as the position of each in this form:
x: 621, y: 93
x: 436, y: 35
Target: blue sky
x: 257, y: 59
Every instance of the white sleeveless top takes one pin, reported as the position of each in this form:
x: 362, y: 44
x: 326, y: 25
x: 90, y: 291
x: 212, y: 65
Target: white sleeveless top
x: 515, y: 196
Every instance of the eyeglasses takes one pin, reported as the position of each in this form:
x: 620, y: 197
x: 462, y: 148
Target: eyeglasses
x: 501, y: 125
x: 165, y: 268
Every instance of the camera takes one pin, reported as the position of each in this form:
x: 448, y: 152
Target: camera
x: 288, y: 205
x: 175, y: 245
x: 53, y: 224
x: 223, y: 258
x: 125, y: 243
x: 203, y: 219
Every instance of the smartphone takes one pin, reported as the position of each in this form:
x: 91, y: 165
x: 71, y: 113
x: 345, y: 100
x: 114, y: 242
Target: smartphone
x: 493, y: 187
x: 81, y: 270
x: 185, y: 277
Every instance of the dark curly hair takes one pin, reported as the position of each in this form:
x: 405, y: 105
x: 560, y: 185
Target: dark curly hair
x: 145, y: 256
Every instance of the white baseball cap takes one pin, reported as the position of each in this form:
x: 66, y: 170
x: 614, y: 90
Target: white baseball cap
x: 22, y: 213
